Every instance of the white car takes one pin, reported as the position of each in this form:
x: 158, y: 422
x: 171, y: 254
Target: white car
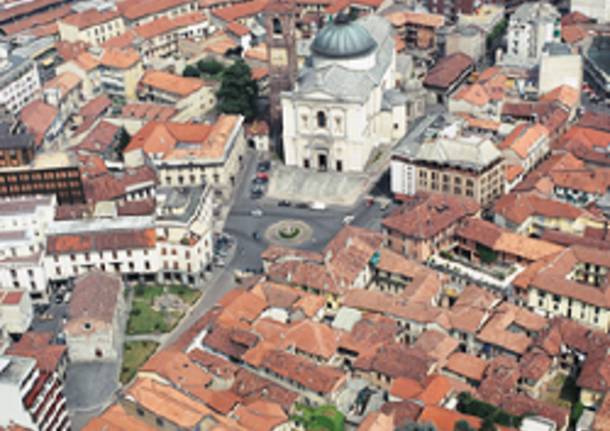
x: 257, y: 212
x: 348, y: 219
x: 317, y: 206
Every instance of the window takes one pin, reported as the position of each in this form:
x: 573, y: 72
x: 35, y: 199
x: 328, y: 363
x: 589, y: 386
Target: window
x: 339, y: 165
x: 321, y: 117
x: 277, y: 26
x: 159, y: 422
x: 306, y: 163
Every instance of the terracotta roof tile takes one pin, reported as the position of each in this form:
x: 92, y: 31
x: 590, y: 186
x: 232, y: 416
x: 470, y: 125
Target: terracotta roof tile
x: 170, y: 83
x: 468, y: 366
x: 138, y: 9
x: 89, y: 18
x: 115, y: 418
x: 448, y: 70
x: 110, y: 240
x: 120, y: 58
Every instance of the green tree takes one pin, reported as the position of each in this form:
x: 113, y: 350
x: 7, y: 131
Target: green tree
x: 488, y: 425
x: 238, y: 91
x: 190, y: 72
x: 210, y: 66
x: 462, y: 425
x: 123, y: 140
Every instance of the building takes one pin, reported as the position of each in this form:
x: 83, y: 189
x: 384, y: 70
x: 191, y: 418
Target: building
x: 417, y: 30
x: 526, y: 146
x: 425, y: 224
x: 31, y: 397
x: 596, y: 9
x: 531, y: 214
x: 17, y: 146
x: 120, y: 71
x: 128, y: 247
x: 91, y: 26
x: 94, y: 329
x: 471, y: 40
x: 597, y: 70
x: 139, y: 12
x: 64, y: 92
x: 184, y: 225
x: 486, y: 17
x: 16, y: 312
x: 559, y: 57
x: 345, y: 104
x: 448, y: 75
x: 19, y: 80
x: 530, y: 27
x: 572, y: 284
x: 193, y: 154
x: 192, y: 97
x: 451, y: 10
x: 440, y: 159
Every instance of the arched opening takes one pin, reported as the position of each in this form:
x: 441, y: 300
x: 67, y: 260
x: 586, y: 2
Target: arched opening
x: 277, y: 26
x: 321, y: 116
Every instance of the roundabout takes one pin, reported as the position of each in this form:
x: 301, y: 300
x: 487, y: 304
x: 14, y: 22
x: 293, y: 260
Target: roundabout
x: 289, y: 232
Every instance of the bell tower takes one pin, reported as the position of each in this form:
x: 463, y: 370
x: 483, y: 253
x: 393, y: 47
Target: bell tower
x: 280, y: 18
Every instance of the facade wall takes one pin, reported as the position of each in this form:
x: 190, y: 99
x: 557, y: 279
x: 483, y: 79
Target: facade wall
x: 94, y: 35
x: 571, y: 67
x: 596, y: 9
x: 19, y: 86
x: 581, y: 312
x: 17, y: 318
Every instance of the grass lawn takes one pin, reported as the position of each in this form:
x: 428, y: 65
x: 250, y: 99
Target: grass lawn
x: 323, y: 418
x: 143, y: 319
x: 186, y: 294
x: 135, y: 353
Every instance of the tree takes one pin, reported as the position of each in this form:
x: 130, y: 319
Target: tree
x: 210, y: 66
x: 190, y: 72
x: 462, y: 425
x: 488, y: 425
x: 238, y: 91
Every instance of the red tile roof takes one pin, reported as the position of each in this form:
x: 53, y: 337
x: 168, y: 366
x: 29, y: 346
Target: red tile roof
x: 89, y: 18
x: 97, y: 241
x: 138, y: 9
x: 448, y: 70
x: 240, y: 10
x: 38, y: 117
x: 170, y: 83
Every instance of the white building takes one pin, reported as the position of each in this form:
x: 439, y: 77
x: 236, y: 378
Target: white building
x: 344, y: 103
x: 184, y: 228
x: 31, y: 398
x: 530, y: 27
x: 16, y: 312
x: 19, y: 80
x: 23, y: 225
x: 124, y: 245
x: 559, y: 57
x: 596, y: 9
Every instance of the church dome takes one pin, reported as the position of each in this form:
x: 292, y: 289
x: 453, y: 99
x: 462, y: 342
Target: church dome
x: 343, y: 39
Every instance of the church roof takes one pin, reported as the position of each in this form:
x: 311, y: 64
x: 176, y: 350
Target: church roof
x: 343, y: 39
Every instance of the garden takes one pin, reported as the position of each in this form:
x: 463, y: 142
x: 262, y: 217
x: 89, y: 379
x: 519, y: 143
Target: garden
x: 323, y: 418
x: 135, y: 353
x: 158, y: 309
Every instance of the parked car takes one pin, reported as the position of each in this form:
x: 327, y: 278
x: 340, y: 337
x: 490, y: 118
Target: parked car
x: 260, y: 181
x: 284, y: 203
x: 256, y: 235
x: 302, y: 205
x: 263, y: 166
x: 59, y: 299
x: 348, y: 219
x: 256, y: 212
x: 317, y: 206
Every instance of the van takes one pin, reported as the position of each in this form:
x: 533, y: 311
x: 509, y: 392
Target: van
x: 317, y: 206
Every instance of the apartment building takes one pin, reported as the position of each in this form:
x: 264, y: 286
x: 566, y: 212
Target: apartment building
x: 184, y: 228
x: 192, y: 97
x: 126, y: 246
x: 139, y: 12
x: 64, y: 92
x: 573, y: 284
x: 16, y: 145
x: 452, y: 163
x: 31, y: 397
x: 19, y: 80
x: 193, y: 154
x: 526, y: 146
x: 91, y: 26
x: 530, y: 27
x: 16, y: 312
x: 596, y: 9
x: 120, y: 71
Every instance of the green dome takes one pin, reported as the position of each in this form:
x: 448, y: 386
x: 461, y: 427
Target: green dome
x: 343, y: 39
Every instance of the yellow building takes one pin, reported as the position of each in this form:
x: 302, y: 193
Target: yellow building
x: 120, y: 72
x: 192, y: 97
x: 91, y: 26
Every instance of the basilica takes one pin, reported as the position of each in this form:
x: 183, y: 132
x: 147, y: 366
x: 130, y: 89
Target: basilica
x: 344, y: 102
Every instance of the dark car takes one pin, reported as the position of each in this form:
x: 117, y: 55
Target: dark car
x: 302, y: 205
x: 256, y: 193
x: 256, y: 235
x: 259, y: 181
x: 59, y: 299
x: 284, y: 203
x: 263, y: 166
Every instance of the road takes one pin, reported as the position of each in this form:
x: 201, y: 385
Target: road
x: 240, y: 224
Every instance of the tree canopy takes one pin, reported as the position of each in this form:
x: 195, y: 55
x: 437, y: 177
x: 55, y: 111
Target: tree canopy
x: 238, y: 91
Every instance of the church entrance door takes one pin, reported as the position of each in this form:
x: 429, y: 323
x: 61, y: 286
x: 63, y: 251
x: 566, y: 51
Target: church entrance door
x: 322, y: 162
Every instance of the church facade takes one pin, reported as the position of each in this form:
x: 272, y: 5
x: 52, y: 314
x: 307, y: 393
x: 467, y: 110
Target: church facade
x: 344, y: 103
